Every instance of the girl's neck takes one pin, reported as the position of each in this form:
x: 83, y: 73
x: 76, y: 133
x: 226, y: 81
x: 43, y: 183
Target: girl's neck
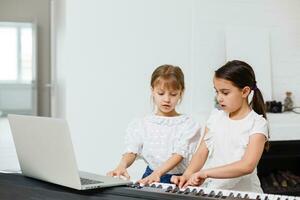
x: 240, y: 113
x: 169, y: 114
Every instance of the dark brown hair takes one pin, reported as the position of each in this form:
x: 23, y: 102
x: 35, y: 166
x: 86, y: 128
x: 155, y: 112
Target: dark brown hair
x: 171, y: 76
x: 241, y: 75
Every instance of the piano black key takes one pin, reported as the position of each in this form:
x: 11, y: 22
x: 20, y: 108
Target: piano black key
x: 231, y: 194
x: 212, y: 194
x: 187, y: 191
x: 136, y: 185
x: 266, y: 198
x: 175, y: 190
x: 278, y: 198
x: 201, y: 192
x: 246, y: 196
x: 220, y: 194
x: 153, y: 185
x: 194, y: 192
x: 239, y: 195
x: 258, y: 197
x: 169, y: 189
x: 180, y: 192
x: 160, y: 186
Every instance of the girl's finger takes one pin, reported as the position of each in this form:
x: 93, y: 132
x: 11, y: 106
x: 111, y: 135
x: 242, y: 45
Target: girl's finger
x: 174, y: 179
x: 126, y: 175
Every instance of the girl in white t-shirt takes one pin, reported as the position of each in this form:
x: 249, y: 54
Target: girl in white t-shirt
x: 235, y: 135
x: 165, y: 140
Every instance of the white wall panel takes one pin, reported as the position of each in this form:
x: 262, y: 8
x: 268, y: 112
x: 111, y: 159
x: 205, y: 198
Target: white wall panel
x: 252, y: 45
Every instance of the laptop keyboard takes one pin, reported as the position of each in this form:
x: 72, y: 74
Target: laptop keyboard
x: 85, y: 181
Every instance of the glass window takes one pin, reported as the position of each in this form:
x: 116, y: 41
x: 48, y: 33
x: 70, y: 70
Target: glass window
x: 16, y: 52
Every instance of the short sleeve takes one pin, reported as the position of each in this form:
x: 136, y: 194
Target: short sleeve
x: 134, y: 136
x: 212, y: 118
x: 260, y: 126
x: 208, y: 139
x: 187, y: 140
x: 210, y: 123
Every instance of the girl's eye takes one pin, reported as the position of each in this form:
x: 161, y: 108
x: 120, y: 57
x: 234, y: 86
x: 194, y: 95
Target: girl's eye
x: 174, y: 94
x: 160, y: 93
x: 225, y: 93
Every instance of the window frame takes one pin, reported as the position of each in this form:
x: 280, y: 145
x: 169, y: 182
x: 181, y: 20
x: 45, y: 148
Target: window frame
x: 19, y: 26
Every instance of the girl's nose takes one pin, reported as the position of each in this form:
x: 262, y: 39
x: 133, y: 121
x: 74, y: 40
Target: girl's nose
x: 167, y: 98
x: 219, y: 98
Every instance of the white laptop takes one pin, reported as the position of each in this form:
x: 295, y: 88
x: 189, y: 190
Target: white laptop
x: 45, y: 152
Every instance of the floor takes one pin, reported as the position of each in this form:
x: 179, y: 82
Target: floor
x: 8, y: 156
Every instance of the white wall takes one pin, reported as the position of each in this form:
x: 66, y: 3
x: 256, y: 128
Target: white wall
x: 281, y: 18
x: 107, y: 50
x: 110, y: 52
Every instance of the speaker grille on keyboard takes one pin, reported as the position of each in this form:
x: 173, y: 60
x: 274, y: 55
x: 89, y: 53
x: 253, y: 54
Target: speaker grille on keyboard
x: 85, y: 181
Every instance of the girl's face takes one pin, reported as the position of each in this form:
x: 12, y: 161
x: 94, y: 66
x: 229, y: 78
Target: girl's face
x: 230, y: 97
x: 166, y: 100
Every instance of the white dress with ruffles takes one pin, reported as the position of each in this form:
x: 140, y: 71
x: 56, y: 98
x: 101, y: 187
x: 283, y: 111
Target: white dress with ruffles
x: 227, y: 141
x: 155, y: 138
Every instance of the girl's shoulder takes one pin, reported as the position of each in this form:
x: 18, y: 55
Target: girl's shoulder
x: 259, y: 124
x: 257, y: 118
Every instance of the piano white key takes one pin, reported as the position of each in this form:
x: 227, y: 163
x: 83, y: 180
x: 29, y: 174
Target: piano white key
x: 263, y: 196
x: 292, y: 198
x: 277, y: 197
x: 207, y: 191
x: 272, y: 197
x: 284, y: 197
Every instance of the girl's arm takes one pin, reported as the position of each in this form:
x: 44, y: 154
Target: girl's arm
x: 169, y: 164
x: 244, y: 166
x: 126, y: 161
x: 195, y: 165
x: 198, y: 159
x: 173, y: 161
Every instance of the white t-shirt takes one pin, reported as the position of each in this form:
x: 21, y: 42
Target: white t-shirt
x: 227, y: 141
x: 155, y: 138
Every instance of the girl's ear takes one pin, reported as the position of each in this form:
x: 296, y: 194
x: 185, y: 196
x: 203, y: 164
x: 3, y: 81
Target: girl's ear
x: 246, y: 91
x: 181, y: 93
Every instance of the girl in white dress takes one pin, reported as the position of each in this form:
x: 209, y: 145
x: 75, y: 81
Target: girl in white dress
x: 165, y: 140
x: 235, y: 135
